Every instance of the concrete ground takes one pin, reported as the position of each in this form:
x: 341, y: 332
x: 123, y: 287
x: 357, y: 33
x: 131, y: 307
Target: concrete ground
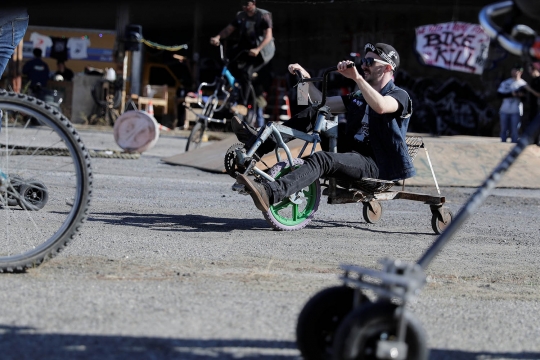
x: 172, y: 264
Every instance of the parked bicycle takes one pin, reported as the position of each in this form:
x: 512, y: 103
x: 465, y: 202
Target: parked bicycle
x: 227, y: 96
x: 45, y: 182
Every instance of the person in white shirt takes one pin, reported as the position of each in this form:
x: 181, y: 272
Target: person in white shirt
x: 512, y: 92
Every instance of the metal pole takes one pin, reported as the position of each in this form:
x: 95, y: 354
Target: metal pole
x: 482, y: 193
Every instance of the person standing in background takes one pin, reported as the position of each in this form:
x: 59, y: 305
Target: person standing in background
x: 37, y: 72
x: 66, y: 73
x: 511, y: 91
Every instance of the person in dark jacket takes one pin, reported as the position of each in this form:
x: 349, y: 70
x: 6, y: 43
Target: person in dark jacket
x: 37, y: 71
x: 373, y: 145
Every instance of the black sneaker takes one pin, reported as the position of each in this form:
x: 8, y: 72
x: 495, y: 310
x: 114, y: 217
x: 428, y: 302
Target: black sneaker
x: 242, y: 130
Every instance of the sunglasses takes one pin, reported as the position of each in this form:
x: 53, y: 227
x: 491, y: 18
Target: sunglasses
x: 369, y: 61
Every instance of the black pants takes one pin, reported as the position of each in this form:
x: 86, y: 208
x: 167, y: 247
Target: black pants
x: 243, y: 68
x: 349, y: 165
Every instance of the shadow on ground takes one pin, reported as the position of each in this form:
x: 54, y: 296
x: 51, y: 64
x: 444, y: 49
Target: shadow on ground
x: 23, y: 343
x: 202, y: 223
x: 182, y: 223
x: 441, y: 354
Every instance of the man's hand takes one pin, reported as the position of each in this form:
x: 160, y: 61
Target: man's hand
x: 254, y: 52
x: 293, y: 67
x: 348, y: 72
x: 215, y: 40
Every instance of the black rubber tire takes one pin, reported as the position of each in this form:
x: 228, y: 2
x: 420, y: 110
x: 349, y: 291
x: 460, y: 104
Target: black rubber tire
x: 369, y: 215
x: 319, y: 320
x: 251, y: 103
x: 96, y: 93
x: 33, y: 195
x: 357, y: 336
x: 31, y: 238
x: 439, y: 226
x: 196, y: 136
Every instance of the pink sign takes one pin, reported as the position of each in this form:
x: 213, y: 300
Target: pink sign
x: 454, y: 46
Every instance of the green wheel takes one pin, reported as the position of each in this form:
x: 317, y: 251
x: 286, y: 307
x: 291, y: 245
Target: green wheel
x: 288, y: 215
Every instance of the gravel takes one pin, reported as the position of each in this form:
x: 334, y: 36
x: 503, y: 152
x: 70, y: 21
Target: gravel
x: 172, y: 264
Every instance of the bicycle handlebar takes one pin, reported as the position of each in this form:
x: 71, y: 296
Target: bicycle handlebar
x: 324, y: 79
x: 506, y: 41
x: 224, y: 59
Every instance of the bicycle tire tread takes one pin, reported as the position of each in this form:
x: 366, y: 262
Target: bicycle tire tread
x: 86, y: 168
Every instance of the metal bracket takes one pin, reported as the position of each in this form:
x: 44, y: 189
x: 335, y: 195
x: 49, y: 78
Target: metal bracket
x: 391, y: 350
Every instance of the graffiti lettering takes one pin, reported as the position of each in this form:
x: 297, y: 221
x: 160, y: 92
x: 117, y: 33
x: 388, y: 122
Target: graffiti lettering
x: 452, y: 58
x: 448, y: 38
x: 454, y: 46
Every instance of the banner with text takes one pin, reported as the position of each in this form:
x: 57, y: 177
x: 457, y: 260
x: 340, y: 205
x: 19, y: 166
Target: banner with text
x: 454, y: 46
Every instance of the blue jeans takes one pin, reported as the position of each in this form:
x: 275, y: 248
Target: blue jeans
x: 11, y: 33
x: 509, y: 122
x: 260, y: 117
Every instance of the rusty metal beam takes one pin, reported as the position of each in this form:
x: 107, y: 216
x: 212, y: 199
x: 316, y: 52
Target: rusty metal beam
x: 345, y: 197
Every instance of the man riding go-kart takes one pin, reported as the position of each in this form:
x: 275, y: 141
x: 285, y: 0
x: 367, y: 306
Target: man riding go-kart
x: 373, y: 145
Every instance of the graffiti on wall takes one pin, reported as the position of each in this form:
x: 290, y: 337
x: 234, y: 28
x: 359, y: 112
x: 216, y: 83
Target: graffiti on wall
x: 449, y: 107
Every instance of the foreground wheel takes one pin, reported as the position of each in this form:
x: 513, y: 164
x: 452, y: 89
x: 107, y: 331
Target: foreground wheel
x: 319, y: 320
x: 195, y: 137
x: 40, y: 143
x: 359, y: 334
x: 372, y: 211
x: 439, y: 225
x: 33, y: 195
x: 288, y: 215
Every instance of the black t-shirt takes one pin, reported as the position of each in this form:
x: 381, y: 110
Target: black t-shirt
x: 251, y: 27
x: 59, y: 49
x: 357, y: 137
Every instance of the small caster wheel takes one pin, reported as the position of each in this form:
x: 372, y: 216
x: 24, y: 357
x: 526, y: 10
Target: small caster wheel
x: 372, y: 211
x: 319, y: 320
x: 439, y: 225
x: 370, y: 332
x: 34, y: 195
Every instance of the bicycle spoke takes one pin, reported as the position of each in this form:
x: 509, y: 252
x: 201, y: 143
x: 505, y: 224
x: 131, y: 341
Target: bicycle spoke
x: 45, y: 164
x: 282, y: 205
